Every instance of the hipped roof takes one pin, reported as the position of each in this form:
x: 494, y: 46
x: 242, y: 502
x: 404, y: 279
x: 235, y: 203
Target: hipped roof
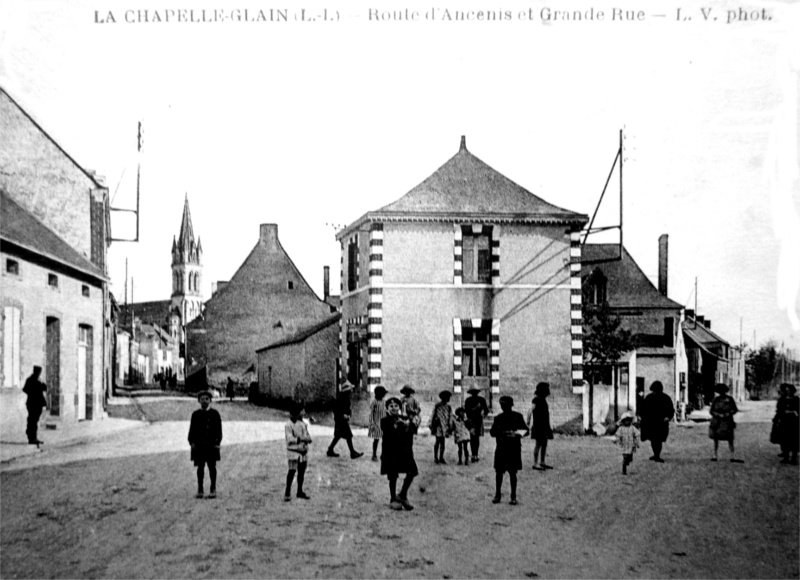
x: 627, y: 285
x: 466, y: 188
x: 20, y: 227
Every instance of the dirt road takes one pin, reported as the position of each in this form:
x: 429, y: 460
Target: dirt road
x: 132, y: 514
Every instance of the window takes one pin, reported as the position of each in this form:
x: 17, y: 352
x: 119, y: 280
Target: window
x: 595, y: 291
x: 11, y: 356
x: 290, y: 285
x: 475, y: 352
x: 12, y: 267
x: 352, y: 266
x: 85, y: 290
x: 476, y: 258
x: 669, y: 331
x: 52, y: 280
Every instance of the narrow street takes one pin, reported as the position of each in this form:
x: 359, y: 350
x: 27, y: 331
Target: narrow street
x: 124, y: 507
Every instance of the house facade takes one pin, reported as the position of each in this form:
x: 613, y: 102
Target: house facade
x: 712, y: 360
x: 612, y: 277
x: 267, y: 300
x: 54, y: 233
x: 302, y: 367
x: 467, y: 281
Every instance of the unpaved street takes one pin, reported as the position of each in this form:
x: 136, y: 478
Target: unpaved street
x: 124, y: 508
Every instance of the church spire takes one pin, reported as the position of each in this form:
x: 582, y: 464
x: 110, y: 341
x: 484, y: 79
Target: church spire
x: 186, y: 236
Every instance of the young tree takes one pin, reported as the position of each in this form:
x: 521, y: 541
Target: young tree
x: 604, y: 342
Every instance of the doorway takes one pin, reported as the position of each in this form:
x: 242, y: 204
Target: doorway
x: 52, y: 368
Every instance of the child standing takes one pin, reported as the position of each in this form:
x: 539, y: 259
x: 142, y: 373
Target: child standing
x: 508, y: 428
x: 409, y: 407
x: 462, y: 434
x: 441, y: 425
x: 377, y: 412
x: 627, y: 437
x: 538, y: 421
x: 397, y: 453
x: 205, y: 437
x: 297, y: 440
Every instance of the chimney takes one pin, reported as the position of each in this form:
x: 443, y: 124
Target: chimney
x: 217, y: 286
x: 463, y: 146
x: 689, y: 313
x: 708, y: 324
x: 701, y: 319
x: 268, y: 236
x: 663, y: 261
x: 326, y: 282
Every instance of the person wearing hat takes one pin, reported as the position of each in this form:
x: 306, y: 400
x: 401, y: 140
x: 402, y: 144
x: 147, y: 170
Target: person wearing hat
x: 36, y: 401
x: 476, y: 409
x: 627, y: 437
x: 205, y: 438
x: 410, y: 408
x: 656, y: 413
x: 441, y: 425
x: 397, y: 453
x: 538, y: 420
x: 377, y: 411
x: 341, y: 422
x: 297, y: 440
x: 786, y: 424
x: 508, y: 429
x: 722, y: 425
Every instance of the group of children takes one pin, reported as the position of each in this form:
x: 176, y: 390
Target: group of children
x: 394, y: 422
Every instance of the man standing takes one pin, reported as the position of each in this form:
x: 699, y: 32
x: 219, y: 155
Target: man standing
x: 476, y: 409
x: 341, y: 423
x: 656, y: 413
x: 35, y: 389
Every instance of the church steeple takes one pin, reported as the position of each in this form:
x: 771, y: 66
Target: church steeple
x: 187, y: 268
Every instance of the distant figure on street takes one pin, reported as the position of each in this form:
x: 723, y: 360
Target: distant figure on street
x: 377, y: 411
x: 410, y: 408
x: 397, y: 453
x: 538, y: 420
x: 722, y: 425
x: 341, y: 422
x: 441, y: 425
x: 657, y: 411
x: 205, y: 437
x: 229, y: 389
x: 508, y: 429
x: 786, y: 424
x: 36, y: 401
x: 297, y: 441
x: 461, y: 434
x: 476, y: 409
x: 627, y: 437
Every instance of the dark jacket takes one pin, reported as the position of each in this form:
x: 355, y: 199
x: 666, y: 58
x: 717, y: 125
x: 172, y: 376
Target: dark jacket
x: 35, y: 389
x: 205, y: 433
x: 656, y: 407
x: 476, y: 408
x: 508, y: 453
x: 397, y: 451
x: 341, y: 417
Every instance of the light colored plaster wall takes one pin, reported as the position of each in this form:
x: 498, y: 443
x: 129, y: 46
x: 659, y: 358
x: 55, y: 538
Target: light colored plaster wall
x: 36, y: 300
x: 657, y: 368
x: 418, y: 253
x: 43, y: 180
x: 534, y: 254
x: 319, y: 385
x: 284, y: 360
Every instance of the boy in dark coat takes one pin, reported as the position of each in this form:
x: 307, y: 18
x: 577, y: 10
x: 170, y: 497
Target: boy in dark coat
x: 205, y: 437
x: 341, y: 423
x: 397, y: 453
x: 508, y: 429
x: 476, y: 409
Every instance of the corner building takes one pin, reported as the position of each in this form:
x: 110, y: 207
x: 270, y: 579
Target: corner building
x: 467, y: 281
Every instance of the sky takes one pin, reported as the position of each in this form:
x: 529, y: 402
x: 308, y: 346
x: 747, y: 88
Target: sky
x: 310, y: 125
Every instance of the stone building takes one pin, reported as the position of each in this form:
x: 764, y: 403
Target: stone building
x: 267, y: 300
x: 54, y: 233
x: 653, y: 319
x: 302, y: 367
x: 712, y: 360
x: 468, y: 280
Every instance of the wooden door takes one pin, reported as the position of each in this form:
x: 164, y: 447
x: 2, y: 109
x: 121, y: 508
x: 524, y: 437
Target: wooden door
x: 52, y: 369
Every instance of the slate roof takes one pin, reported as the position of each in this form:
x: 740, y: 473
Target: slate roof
x: 627, y: 285
x: 465, y: 187
x: 701, y: 335
x: 304, y: 334
x: 154, y: 312
x: 20, y: 227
